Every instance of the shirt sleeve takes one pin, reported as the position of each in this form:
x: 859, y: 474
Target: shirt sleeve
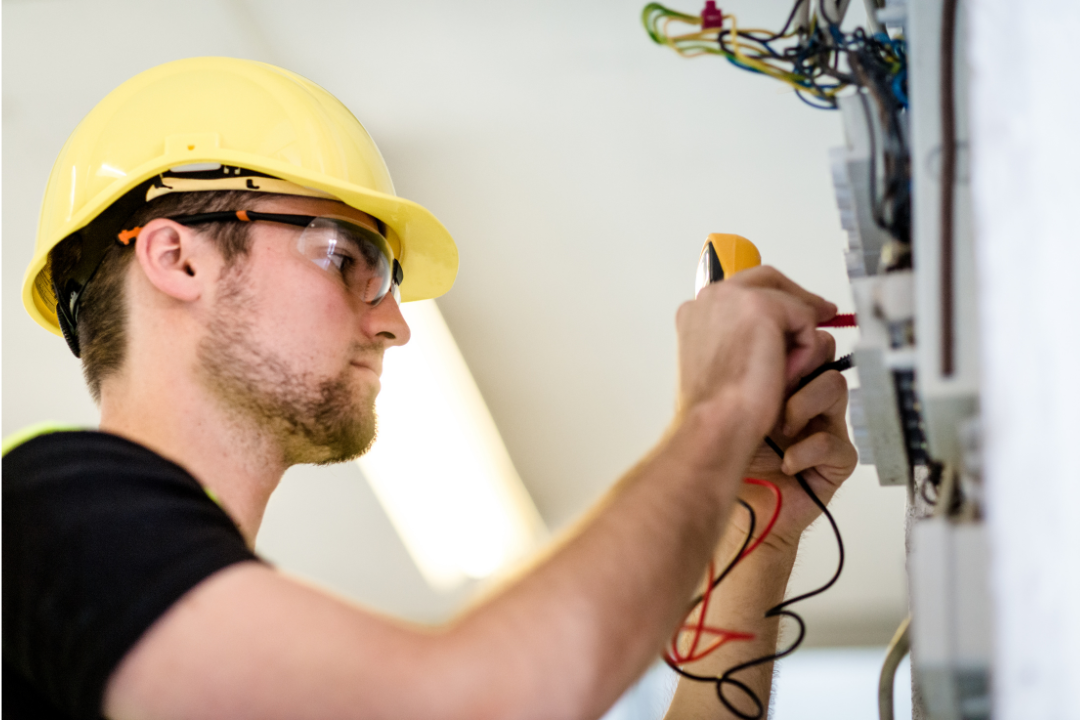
x: 100, y: 538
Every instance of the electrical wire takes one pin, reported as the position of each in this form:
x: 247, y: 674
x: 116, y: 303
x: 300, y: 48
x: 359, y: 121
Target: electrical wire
x: 818, y: 60
x: 844, y: 363
x: 948, y: 181
x: 781, y: 610
x: 674, y: 657
x: 841, y: 320
x: 807, y: 57
x: 898, y: 648
x: 701, y: 602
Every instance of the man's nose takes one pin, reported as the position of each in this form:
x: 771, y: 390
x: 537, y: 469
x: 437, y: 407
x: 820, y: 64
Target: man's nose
x: 385, y: 321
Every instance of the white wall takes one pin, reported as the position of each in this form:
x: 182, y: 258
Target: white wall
x: 1025, y: 155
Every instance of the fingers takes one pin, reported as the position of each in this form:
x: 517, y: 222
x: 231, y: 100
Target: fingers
x: 765, y: 276
x: 826, y: 348
x: 826, y: 396
x: 769, y: 299
x: 808, y: 347
x: 753, y: 338
x: 832, y: 456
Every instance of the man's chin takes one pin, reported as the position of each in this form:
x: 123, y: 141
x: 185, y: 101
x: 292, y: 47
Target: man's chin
x: 337, y: 442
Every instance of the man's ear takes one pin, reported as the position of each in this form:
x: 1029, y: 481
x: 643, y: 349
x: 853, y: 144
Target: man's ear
x: 174, y: 259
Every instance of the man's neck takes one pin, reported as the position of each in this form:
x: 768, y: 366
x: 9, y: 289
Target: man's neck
x: 176, y: 417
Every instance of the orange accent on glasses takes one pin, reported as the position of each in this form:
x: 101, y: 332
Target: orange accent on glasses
x: 126, y: 236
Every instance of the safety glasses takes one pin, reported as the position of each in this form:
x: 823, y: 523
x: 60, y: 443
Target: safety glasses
x: 357, y: 257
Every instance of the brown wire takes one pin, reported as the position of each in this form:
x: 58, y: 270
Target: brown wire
x: 948, y: 184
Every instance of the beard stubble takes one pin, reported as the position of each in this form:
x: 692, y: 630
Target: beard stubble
x: 312, y: 419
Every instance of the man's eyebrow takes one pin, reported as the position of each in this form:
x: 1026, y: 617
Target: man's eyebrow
x: 356, y: 244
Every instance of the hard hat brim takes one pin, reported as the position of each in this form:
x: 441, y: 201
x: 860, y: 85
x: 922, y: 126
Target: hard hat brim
x: 428, y: 254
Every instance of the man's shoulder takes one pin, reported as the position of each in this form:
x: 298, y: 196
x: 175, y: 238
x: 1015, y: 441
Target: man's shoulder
x: 59, y: 456
x: 101, y: 536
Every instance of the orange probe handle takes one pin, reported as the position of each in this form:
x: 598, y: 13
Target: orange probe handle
x: 723, y: 255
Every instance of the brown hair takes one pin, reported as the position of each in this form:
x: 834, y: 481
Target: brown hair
x: 103, y: 308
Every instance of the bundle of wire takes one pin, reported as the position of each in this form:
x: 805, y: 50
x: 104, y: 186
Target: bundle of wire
x: 696, y: 628
x: 808, y: 52
x: 818, y: 60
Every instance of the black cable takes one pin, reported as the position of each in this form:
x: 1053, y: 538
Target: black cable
x: 845, y: 363
x: 787, y: 24
x: 779, y: 610
x: 727, y: 569
x: 735, y: 560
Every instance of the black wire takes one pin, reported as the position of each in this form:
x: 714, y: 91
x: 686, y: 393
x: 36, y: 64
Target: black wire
x: 735, y: 560
x: 790, y: 17
x: 870, y: 60
x: 845, y: 363
x: 727, y: 569
x: 799, y: 94
x: 779, y: 610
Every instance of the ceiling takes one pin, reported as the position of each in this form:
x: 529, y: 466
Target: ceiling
x: 579, y: 167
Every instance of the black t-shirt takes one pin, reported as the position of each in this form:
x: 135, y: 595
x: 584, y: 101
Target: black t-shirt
x: 100, y: 537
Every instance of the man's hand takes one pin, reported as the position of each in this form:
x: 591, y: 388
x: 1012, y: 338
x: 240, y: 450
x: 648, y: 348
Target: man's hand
x: 729, y: 355
x: 744, y: 341
x: 810, y: 426
x: 812, y: 430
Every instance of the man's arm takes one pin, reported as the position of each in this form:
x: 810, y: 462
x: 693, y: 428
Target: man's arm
x: 565, y: 639
x: 814, y: 429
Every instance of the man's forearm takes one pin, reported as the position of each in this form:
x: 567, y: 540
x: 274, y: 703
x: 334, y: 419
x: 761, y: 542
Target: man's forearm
x: 596, y: 612
x: 739, y: 604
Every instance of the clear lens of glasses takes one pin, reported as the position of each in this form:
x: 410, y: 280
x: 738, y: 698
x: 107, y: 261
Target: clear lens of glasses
x: 357, y: 257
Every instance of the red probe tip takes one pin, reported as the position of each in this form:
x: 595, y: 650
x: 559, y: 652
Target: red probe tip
x: 841, y: 320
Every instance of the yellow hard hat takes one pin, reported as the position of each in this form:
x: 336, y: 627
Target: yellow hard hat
x: 213, y: 116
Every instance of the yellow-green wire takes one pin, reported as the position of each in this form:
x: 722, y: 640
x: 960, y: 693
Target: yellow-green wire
x: 695, y: 44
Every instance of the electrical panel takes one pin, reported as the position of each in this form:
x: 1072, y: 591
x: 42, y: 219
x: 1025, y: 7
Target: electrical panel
x: 916, y: 411
x: 901, y: 181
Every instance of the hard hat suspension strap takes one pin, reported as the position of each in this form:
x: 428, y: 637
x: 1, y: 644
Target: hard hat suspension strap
x: 94, y: 242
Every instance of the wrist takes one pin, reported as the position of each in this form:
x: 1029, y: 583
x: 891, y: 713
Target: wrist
x: 715, y: 434
x: 777, y: 551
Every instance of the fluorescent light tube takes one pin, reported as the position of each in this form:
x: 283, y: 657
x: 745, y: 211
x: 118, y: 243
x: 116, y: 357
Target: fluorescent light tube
x: 438, y: 465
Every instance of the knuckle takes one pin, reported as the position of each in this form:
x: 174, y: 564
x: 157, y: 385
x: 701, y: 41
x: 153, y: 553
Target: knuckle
x: 835, y: 383
x: 852, y: 454
x: 682, y: 311
x: 755, y: 303
x: 770, y: 272
x: 794, y: 409
x: 828, y: 340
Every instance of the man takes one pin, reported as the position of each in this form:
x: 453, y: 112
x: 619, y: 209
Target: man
x: 221, y: 244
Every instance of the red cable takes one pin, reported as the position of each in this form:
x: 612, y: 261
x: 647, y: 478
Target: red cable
x: 704, y: 606
x: 841, y: 320
x: 674, y: 657
x: 772, y: 520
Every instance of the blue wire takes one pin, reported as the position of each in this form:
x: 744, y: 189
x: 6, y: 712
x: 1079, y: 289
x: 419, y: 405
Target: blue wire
x: 898, y: 89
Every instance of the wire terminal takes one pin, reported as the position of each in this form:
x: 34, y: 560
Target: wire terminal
x: 712, y: 17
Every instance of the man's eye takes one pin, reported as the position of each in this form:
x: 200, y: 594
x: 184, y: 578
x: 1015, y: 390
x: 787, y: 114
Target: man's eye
x: 340, y: 260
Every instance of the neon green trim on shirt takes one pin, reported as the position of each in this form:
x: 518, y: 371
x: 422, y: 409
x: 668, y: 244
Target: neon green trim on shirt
x: 29, y: 433
x: 213, y: 496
